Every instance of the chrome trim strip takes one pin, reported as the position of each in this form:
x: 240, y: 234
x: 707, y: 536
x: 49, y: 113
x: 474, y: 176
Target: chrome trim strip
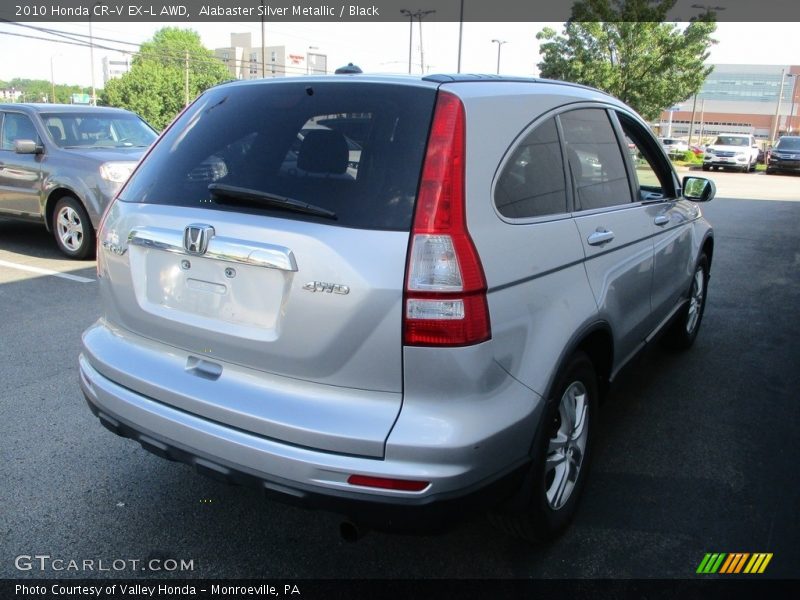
x: 219, y: 248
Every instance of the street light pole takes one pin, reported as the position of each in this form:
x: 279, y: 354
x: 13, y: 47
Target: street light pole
x: 499, y: 45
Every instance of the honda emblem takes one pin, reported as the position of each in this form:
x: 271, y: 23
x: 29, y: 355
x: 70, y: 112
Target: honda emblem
x: 196, y: 237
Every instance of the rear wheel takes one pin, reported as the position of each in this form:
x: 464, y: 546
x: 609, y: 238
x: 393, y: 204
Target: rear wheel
x: 684, y: 329
x: 72, y: 228
x: 560, y: 466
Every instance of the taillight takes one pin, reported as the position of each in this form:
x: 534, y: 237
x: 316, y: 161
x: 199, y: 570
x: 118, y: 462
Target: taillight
x: 445, y: 293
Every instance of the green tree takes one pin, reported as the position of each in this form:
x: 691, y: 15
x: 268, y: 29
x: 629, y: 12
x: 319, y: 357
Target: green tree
x: 625, y: 48
x: 154, y: 87
x: 41, y: 90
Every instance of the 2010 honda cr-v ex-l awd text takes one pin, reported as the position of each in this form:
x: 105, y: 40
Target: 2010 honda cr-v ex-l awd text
x: 394, y: 298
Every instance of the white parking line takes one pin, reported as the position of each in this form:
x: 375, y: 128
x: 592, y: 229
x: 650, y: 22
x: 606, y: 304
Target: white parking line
x: 40, y: 271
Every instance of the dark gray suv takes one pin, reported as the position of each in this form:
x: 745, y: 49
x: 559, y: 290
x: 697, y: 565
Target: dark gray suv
x: 62, y: 164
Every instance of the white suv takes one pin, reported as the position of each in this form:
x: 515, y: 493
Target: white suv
x: 731, y: 151
x: 404, y: 331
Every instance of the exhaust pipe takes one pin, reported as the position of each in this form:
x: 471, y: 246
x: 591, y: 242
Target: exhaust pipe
x: 351, y: 532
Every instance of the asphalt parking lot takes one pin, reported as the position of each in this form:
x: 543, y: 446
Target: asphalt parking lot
x: 697, y: 452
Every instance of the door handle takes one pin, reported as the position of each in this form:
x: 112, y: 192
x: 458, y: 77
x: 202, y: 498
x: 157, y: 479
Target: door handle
x: 600, y: 237
x: 661, y: 220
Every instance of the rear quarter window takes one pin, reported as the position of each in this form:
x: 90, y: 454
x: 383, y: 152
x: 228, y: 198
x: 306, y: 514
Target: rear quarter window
x: 532, y: 182
x: 353, y: 148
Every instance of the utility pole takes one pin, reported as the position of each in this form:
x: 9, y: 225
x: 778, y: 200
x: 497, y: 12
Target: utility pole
x: 794, y: 94
x: 263, y: 46
x: 91, y: 60
x: 410, y: 16
x: 52, y: 79
x: 778, y: 110
x: 186, y: 79
x: 460, y: 35
x: 691, y: 124
x: 419, y: 14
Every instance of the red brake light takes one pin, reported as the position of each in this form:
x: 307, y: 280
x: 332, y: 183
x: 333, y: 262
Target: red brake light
x: 445, y: 293
x: 405, y: 485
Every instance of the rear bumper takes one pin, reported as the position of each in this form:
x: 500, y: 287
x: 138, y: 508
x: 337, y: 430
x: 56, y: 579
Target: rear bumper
x: 421, y: 514
x: 732, y: 162
x: 473, y: 473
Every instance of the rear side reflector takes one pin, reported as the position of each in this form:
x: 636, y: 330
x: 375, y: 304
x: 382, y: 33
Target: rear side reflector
x: 445, y: 291
x: 385, y: 483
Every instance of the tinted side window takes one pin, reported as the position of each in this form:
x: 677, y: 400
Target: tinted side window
x: 350, y: 148
x: 532, y: 183
x: 17, y: 127
x: 595, y: 159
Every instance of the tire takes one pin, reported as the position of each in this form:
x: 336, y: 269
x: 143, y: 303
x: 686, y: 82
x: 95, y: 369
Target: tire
x: 683, y: 331
x: 72, y: 229
x: 706, y: 167
x: 561, y: 462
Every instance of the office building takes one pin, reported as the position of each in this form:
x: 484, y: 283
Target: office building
x: 244, y: 60
x: 114, y: 68
x: 740, y: 99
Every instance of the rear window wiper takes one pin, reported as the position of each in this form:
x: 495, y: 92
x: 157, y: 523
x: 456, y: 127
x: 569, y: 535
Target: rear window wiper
x: 223, y: 191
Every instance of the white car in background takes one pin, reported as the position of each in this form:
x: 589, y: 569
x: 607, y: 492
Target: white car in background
x: 674, y: 145
x: 732, y: 151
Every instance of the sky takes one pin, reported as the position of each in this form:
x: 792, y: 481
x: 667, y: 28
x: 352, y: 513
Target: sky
x: 375, y: 47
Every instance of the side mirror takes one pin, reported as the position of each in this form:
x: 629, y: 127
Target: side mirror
x: 27, y: 147
x: 698, y: 189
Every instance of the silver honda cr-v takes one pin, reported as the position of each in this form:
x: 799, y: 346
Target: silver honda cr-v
x: 395, y: 298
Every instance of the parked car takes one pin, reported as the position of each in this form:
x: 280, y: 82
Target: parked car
x: 785, y: 156
x: 697, y: 150
x: 732, y: 151
x: 674, y: 145
x: 402, y: 335
x: 62, y: 164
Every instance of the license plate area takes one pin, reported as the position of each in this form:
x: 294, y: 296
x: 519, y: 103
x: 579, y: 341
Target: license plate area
x: 229, y: 298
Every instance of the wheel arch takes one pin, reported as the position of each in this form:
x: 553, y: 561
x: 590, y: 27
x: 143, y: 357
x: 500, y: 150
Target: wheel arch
x: 597, y: 342
x: 52, y: 199
x: 708, y: 249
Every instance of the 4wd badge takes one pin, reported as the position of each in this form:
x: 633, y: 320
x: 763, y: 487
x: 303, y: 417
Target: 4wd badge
x: 323, y: 286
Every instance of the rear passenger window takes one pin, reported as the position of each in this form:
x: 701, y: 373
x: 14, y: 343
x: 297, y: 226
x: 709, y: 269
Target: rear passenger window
x: 532, y: 182
x: 595, y: 160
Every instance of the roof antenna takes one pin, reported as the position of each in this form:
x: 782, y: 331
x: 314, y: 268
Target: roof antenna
x: 348, y: 69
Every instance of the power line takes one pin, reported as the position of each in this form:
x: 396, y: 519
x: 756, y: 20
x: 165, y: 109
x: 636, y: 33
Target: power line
x: 178, y: 56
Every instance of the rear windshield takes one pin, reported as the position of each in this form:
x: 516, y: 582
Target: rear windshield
x: 354, y: 149
x: 788, y: 143
x: 98, y: 130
